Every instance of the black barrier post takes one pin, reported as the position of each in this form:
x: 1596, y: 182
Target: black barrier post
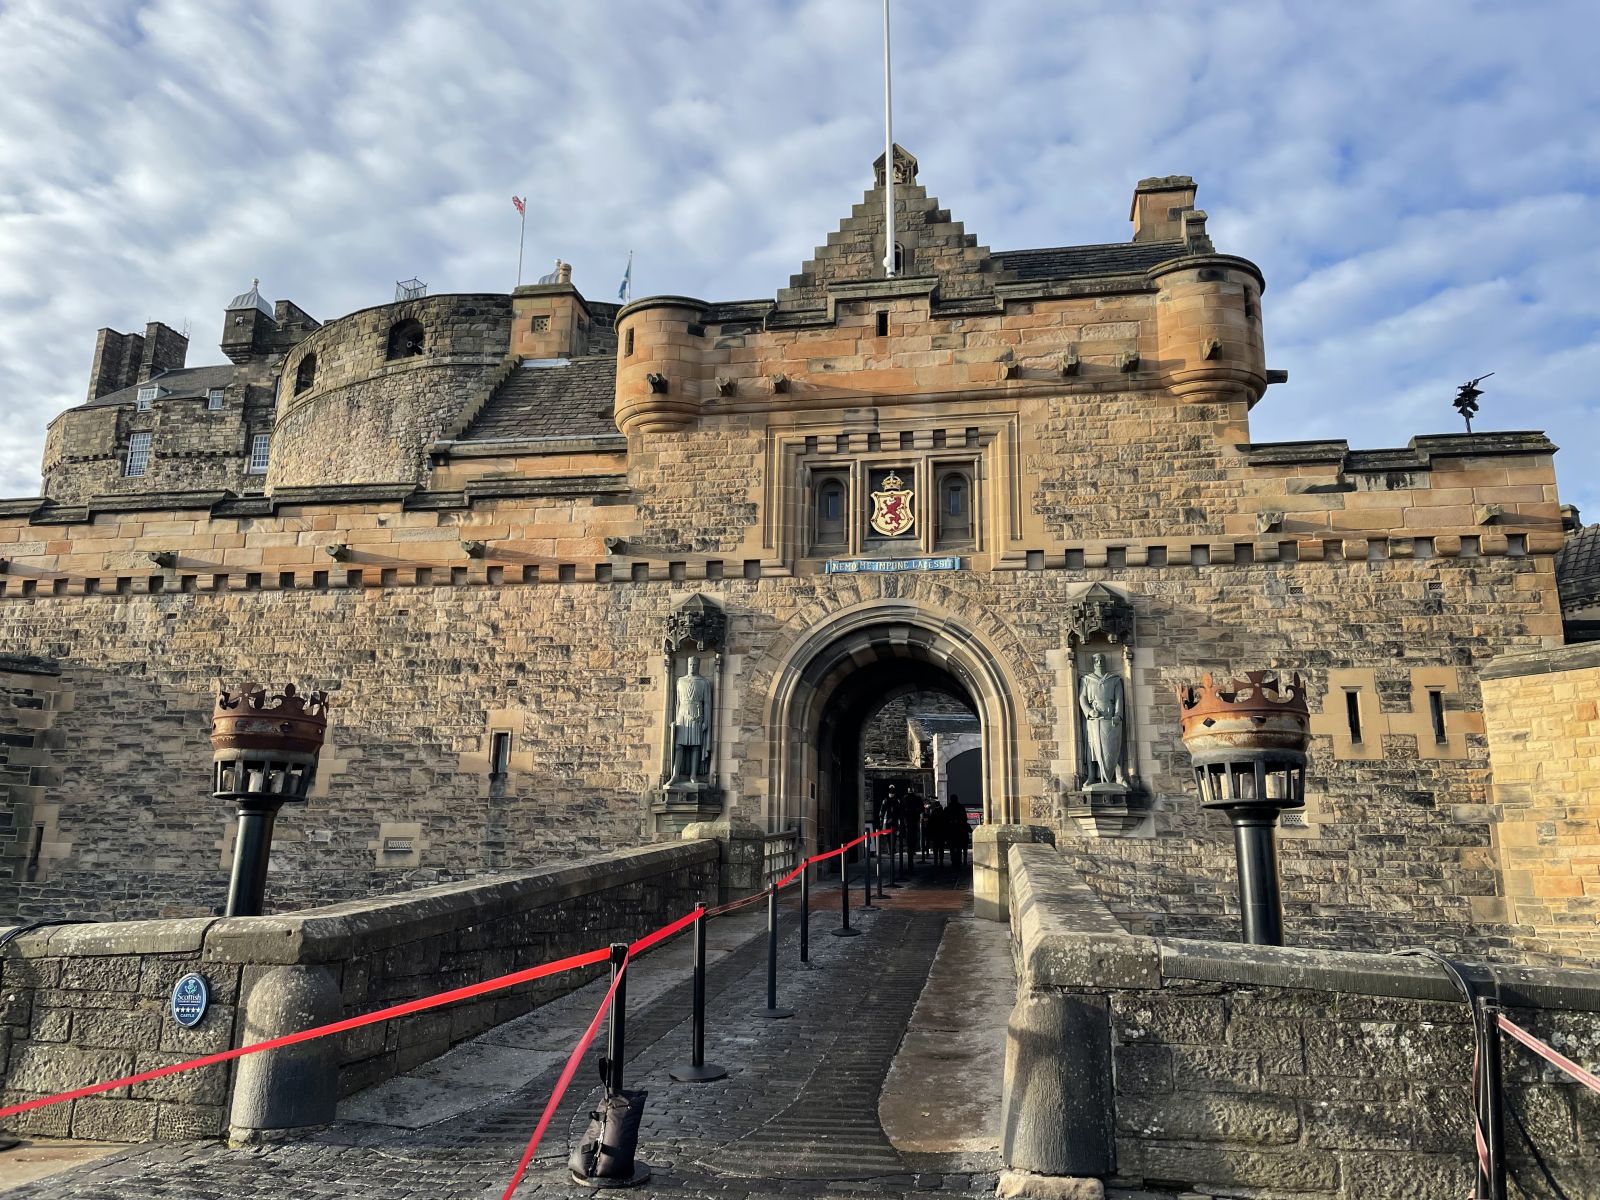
x: 697, y: 1071
x: 882, y: 895
x: 894, y: 856
x: 805, y: 913
x: 1492, y: 1096
x: 866, y: 873
x: 844, y: 929
x: 772, y: 1010
x: 616, y: 1035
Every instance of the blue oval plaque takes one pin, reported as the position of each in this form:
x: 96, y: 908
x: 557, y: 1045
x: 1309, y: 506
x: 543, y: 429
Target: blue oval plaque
x: 189, y: 999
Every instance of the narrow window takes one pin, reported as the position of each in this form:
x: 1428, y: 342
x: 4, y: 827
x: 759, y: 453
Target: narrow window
x: 260, y: 452
x: 883, y: 324
x: 1352, y: 714
x: 830, y: 512
x: 305, y: 375
x: 627, y: 344
x: 499, y: 754
x: 899, y: 259
x: 214, y: 400
x: 138, y: 455
x: 35, y: 849
x: 405, y: 339
x: 955, y: 508
x: 1436, y: 711
x: 147, y: 397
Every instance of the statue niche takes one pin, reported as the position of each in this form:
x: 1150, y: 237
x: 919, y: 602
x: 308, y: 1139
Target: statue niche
x: 691, y: 661
x: 1105, y: 797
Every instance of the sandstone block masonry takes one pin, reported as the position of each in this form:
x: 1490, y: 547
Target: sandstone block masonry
x: 1263, y: 1070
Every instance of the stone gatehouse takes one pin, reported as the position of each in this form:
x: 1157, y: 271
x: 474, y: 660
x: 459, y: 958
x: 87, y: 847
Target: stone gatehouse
x: 498, y: 527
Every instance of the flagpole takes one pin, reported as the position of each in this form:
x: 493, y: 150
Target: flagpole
x: 522, y: 231
x: 888, y: 157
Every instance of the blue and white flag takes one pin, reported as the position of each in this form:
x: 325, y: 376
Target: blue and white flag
x: 625, y: 291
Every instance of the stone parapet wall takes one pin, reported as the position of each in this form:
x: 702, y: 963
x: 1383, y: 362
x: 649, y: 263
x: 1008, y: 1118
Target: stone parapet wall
x: 1250, y: 1070
x: 1544, y: 735
x: 85, y: 1003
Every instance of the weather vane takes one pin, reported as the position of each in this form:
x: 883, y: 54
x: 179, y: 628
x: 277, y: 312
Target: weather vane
x: 1466, y: 400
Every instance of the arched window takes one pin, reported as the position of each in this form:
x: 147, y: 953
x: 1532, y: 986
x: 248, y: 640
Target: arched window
x: 305, y: 375
x: 830, y: 525
x: 900, y: 259
x: 955, y: 507
x: 405, y: 339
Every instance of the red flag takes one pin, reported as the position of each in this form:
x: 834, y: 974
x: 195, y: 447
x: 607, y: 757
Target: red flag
x: 520, y: 206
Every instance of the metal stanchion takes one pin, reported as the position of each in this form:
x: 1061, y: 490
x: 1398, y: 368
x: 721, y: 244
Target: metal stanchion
x: 772, y: 1010
x: 616, y: 1035
x: 697, y: 1071
x: 866, y: 873
x: 894, y: 856
x: 882, y: 895
x: 805, y: 914
x: 844, y: 929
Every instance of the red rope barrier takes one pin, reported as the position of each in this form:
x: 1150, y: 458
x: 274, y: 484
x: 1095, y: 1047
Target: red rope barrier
x: 565, y: 1080
x: 572, y: 963
x: 666, y: 931
x: 1549, y: 1053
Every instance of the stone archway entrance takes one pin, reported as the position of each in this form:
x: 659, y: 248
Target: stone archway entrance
x: 838, y: 674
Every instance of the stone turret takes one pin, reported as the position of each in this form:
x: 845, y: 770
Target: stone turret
x: 660, y: 344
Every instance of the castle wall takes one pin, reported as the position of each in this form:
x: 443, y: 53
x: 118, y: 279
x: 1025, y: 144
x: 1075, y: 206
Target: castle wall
x: 429, y: 652
x: 367, y: 418
x: 1544, y: 734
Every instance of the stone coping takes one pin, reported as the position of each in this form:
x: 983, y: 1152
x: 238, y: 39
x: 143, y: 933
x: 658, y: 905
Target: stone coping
x: 340, y: 931
x: 1577, y: 657
x: 1067, y: 938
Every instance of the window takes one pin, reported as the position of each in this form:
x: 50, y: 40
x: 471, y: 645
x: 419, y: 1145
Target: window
x: 305, y: 375
x: 260, y: 452
x: 1352, y: 714
x: 1436, y: 711
x: 405, y: 339
x: 899, y: 259
x: 499, y: 754
x: 214, y: 400
x: 147, y: 397
x: 830, y: 511
x: 138, y: 455
x: 883, y: 324
x: 627, y: 344
x: 955, y: 507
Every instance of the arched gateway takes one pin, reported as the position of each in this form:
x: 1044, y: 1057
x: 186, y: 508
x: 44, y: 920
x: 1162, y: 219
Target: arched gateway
x: 836, y: 675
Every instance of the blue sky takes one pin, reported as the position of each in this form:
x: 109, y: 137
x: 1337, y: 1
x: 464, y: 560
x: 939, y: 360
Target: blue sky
x: 1419, y: 181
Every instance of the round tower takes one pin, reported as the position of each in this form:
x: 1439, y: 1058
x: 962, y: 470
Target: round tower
x: 1208, y: 327
x: 660, y: 362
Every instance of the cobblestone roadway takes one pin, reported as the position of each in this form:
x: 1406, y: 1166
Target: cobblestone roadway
x: 797, y: 1115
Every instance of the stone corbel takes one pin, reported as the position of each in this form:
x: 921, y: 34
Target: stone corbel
x: 1269, y: 521
x: 1068, y: 363
x: 165, y: 559
x: 780, y: 382
x: 338, y: 551
x: 1487, y: 514
x: 1010, y: 370
x: 657, y: 382
x: 473, y: 549
x: 727, y: 385
x: 1128, y: 361
x: 1211, y: 348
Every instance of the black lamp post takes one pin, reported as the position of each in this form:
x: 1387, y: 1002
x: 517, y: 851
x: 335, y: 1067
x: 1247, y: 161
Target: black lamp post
x: 264, y: 755
x: 1248, y: 741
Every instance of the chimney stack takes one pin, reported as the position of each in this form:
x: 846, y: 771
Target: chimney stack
x: 164, y: 350
x: 1158, y: 205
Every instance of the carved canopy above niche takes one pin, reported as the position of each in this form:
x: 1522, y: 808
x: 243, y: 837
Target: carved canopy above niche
x: 1099, y: 612
x: 696, y: 620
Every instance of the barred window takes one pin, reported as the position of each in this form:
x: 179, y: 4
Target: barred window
x: 138, y: 455
x: 260, y: 451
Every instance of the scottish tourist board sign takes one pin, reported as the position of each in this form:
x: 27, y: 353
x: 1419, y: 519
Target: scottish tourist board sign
x: 189, y: 999
x: 874, y: 566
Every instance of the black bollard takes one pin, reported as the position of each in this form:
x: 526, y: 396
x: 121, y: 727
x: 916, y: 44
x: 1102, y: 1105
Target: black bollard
x: 866, y: 874
x: 697, y: 1071
x: 882, y: 895
x: 894, y: 856
x: 772, y: 1010
x: 805, y: 914
x: 844, y: 929
x: 616, y: 1035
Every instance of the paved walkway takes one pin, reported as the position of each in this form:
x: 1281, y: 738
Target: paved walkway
x: 797, y: 1115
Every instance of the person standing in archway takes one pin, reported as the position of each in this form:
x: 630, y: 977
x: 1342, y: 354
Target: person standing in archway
x: 959, y: 831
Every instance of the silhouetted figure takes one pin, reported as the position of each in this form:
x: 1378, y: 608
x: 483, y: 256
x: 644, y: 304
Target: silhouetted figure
x: 960, y: 830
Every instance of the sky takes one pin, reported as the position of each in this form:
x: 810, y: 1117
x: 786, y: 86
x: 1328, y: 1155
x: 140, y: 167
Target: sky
x: 1419, y: 180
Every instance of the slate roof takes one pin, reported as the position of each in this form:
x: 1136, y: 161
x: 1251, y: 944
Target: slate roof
x: 573, y: 399
x: 1076, y: 262
x: 1578, y: 569
x: 185, y: 381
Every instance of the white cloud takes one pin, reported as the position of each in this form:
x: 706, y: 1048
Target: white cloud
x: 1418, y: 182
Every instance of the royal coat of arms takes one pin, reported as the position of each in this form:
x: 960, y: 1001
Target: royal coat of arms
x: 893, y: 511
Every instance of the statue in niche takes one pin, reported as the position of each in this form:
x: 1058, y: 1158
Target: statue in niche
x: 1100, y: 697
x: 691, y: 726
